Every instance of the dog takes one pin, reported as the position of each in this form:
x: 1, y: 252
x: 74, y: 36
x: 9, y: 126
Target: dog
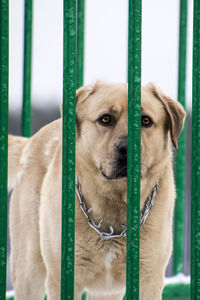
x: 101, y: 168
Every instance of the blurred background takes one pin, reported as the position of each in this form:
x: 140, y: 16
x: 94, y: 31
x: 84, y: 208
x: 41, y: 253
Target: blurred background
x: 106, y: 33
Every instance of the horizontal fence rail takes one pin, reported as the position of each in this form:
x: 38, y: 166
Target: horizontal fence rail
x: 4, y: 33
x: 176, y: 290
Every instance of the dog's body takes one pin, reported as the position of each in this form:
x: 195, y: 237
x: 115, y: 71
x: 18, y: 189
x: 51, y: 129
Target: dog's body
x: 101, y: 148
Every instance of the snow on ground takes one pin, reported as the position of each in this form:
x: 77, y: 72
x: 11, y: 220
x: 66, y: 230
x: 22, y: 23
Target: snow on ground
x: 179, y: 278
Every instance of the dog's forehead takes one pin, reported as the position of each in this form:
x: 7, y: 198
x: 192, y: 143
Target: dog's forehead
x: 113, y: 98
x: 110, y: 98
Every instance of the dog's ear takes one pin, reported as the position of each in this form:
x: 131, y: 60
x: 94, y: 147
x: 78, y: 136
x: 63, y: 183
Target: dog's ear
x: 84, y: 92
x: 175, y: 112
x: 81, y: 95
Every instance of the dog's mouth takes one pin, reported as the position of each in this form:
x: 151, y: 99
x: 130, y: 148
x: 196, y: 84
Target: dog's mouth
x: 118, y: 174
x: 122, y: 173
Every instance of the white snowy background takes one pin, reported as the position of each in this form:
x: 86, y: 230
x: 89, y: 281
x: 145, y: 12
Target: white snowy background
x: 105, y: 46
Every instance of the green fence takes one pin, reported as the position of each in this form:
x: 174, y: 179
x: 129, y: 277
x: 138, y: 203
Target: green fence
x: 3, y: 141
x: 73, y: 36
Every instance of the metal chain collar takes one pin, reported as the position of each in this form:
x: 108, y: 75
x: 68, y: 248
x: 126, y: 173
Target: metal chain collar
x: 97, y: 227
x: 148, y: 205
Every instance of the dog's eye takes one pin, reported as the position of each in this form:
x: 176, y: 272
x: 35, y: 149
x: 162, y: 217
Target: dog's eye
x: 106, y: 120
x: 146, y: 121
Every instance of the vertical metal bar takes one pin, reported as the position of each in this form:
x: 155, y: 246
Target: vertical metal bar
x: 84, y: 296
x: 180, y: 154
x: 26, y: 109
x: 195, y: 203
x: 80, y: 41
x: 3, y: 141
x: 68, y: 156
x: 134, y: 122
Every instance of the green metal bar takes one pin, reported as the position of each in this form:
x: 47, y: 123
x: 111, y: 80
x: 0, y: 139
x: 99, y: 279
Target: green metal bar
x: 134, y: 122
x: 4, y: 44
x: 26, y: 109
x: 84, y: 296
x: 178, y: 251
x: 195, y: 188
x: 178, y: 290
x: 80, y: 41
x: 68, y: 170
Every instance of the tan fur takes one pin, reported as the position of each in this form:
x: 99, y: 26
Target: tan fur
x: 15, y: 149
x: 35, y: 213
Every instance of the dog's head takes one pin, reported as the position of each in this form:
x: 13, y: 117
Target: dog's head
x: 102, y: 119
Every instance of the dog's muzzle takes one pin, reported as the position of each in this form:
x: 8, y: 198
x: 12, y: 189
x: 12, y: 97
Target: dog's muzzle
x: 120, y: 169
x: 122, y: 149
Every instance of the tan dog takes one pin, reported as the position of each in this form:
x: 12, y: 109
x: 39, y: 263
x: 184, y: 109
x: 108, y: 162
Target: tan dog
x: 101, y: 166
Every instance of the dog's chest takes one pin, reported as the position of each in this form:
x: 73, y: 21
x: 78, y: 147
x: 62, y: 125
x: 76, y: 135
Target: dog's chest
x: 114, y: 270
x: 109, y: 259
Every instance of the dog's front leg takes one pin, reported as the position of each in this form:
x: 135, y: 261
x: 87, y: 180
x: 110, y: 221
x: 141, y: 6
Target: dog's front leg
x: 151, y: 287
x: 53, y: 289
x: 117, y: 296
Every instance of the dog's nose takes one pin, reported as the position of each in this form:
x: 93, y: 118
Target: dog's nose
x: 122, y: 149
